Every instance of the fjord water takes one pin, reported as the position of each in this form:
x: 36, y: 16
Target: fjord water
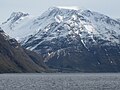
x: 60, y: 81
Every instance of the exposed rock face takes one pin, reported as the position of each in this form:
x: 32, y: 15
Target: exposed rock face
x: 13, y: 58
x: 96, y: 59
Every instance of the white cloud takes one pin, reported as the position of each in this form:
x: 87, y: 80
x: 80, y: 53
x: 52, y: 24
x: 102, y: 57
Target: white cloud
x: 69, y: 7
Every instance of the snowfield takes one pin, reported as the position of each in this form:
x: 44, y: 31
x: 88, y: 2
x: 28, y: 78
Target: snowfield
x: 81, y: 81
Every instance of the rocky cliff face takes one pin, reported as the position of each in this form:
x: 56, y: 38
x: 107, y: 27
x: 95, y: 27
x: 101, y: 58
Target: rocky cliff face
x: 13, y: 58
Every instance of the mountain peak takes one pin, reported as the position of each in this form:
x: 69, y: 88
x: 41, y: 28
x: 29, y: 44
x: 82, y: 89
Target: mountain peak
x: 16, y: 15
x: 63, y: 8
x: 19, y: 13
x: 54, y: 11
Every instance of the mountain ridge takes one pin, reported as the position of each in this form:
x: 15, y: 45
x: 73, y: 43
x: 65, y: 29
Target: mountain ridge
x: 15, y: 59
x: 75, y: 40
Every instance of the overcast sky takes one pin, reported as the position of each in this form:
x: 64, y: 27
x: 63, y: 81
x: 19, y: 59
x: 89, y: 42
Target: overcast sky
x: 36, y: 7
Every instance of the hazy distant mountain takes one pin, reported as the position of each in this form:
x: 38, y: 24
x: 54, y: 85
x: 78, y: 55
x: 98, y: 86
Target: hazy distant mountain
x: 13, y: 58
x: 70, y: 40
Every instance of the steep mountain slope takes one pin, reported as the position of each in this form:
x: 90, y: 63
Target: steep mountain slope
x: 70, y: 40
x: 13, y: 58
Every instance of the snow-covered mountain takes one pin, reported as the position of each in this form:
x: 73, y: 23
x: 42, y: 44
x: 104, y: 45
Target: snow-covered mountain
x: 61, y: 33
x: 84, y: 23
x: 17, y: 26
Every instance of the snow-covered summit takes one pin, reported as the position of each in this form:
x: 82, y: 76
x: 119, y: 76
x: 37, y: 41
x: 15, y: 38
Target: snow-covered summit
x: 56, y: 22
x: 15, y: 16
x: 16, y: 25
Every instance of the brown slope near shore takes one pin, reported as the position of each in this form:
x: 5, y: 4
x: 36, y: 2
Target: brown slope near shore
x: 13, y: 58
